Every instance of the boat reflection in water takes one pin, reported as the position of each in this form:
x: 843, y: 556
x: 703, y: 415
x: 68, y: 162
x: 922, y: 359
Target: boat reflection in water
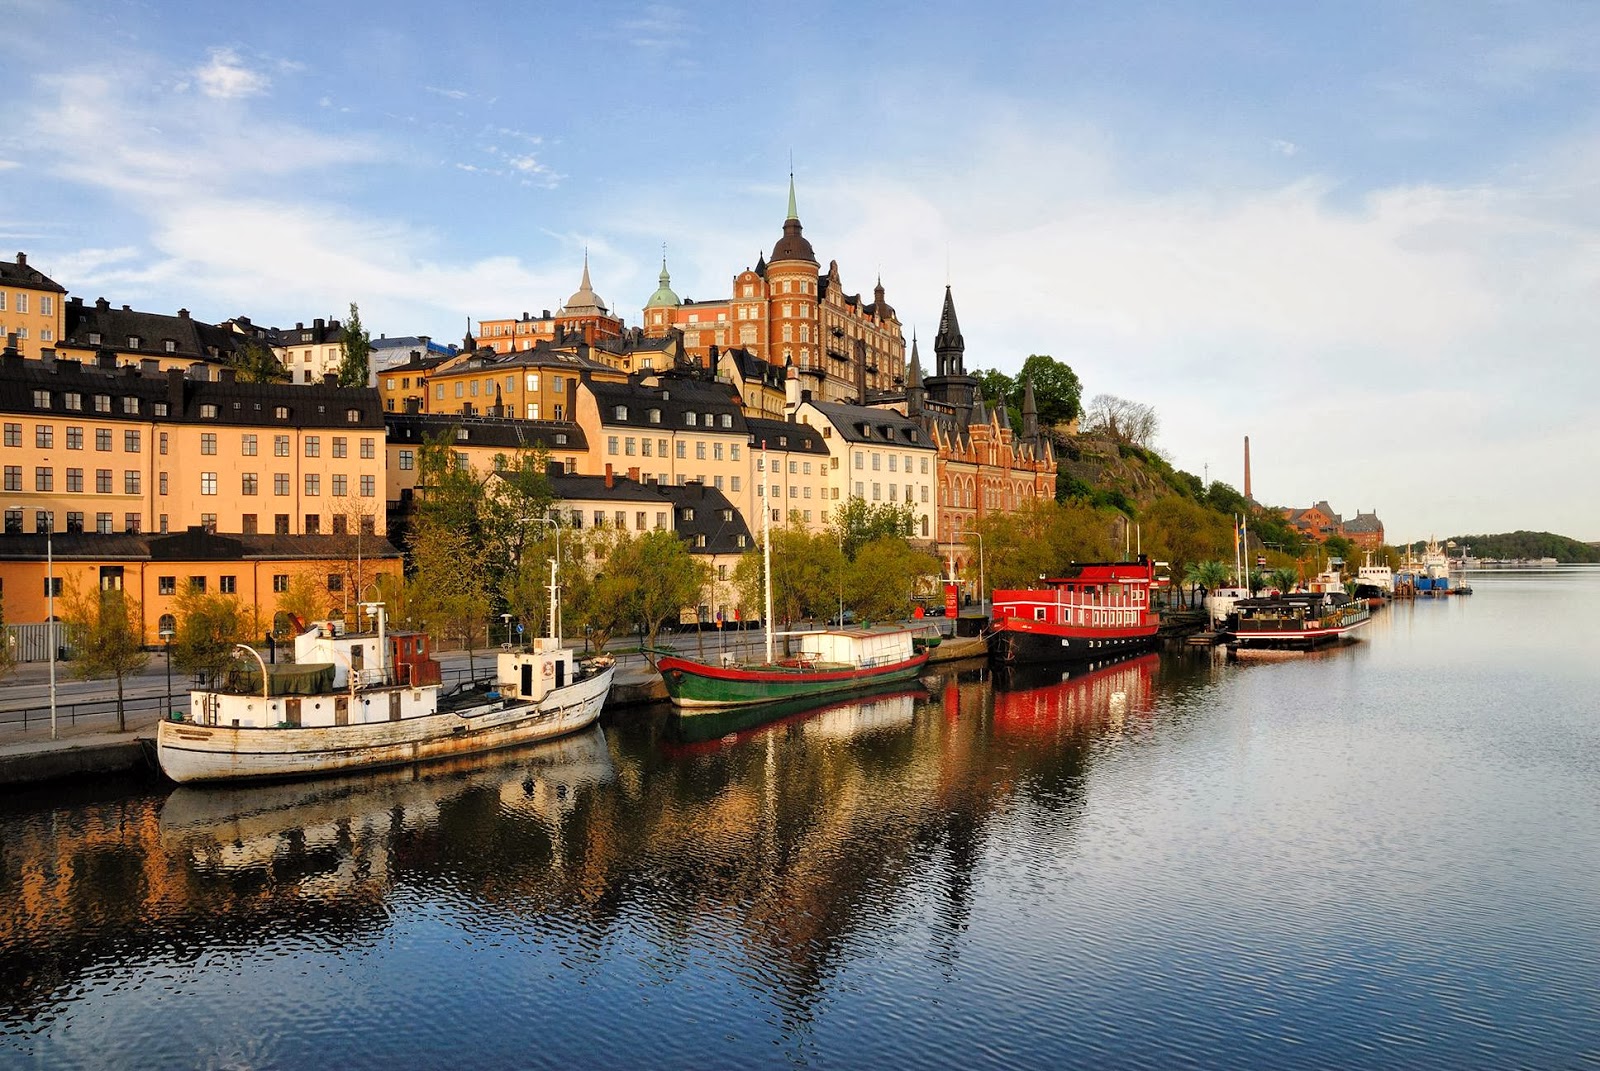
x: 230, y: 828
x: 1047, y: 702
x: 889, y: 705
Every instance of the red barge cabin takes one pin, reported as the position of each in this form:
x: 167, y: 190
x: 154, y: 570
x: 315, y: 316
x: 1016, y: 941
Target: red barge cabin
x: 1095, y: 611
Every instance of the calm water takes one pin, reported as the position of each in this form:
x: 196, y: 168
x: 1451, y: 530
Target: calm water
x: 1380, y: 856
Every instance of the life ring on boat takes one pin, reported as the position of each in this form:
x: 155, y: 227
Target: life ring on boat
x: 549, y: 669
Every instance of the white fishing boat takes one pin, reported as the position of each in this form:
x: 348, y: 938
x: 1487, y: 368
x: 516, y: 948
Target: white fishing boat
x: 354, y: 700
x: 1380, y: 577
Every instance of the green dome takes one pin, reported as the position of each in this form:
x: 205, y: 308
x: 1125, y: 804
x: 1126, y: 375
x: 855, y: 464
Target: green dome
x: 663, y: 297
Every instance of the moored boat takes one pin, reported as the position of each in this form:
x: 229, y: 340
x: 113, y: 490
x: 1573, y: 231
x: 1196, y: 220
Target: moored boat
x: 354, y: 700
x: 828, y: 661
x: 1296, y: 620
x: 1092, y: 612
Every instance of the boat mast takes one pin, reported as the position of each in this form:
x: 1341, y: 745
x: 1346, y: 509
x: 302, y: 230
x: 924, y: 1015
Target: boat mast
x: 553, y: 590
x: 766, y: 543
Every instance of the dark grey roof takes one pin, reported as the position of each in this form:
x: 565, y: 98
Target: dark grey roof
x: 486, y: 431
x: 697, y: 510
x: 862, y: 424
x: 186, y: 399
x: 101, y: 327
x: 20, y: 273
x: 786, y: 435
x: 1363, y: 522
x: 541, y: 356
x: 754, y: 369
x: 195, y: 544
x: 671, y: 402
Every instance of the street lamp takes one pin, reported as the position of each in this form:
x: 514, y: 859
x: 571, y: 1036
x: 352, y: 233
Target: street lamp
x: 166, y: 640
x: 50, y: 599
x: 983, y: 590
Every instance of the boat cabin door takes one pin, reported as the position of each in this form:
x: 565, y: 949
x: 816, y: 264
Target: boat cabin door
x: 561, y: 672
x: 527, y: 679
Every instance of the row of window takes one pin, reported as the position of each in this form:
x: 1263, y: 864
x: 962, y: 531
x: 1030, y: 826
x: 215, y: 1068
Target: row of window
x: 20, y: 298
x: 131, y: 406
x: 470, y: 388
x: 861, y: 457
x: 658, y: 448
x: 44, y: 479
x: 691, y: 419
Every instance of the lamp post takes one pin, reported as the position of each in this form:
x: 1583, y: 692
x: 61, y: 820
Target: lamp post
x: 983, y: 590
x: 166, y: 640
x: 51, y: 632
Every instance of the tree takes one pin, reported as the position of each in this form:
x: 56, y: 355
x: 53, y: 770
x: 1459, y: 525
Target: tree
x: 306, y: 598
x: 355, y: 369
x: 110, y: 638
x: 1041, y: 539
x: 447, y: 591
x: 1182, y: 533
x: 209, y: 625
x: 881, y: 580
x: 664, y: 578
x: 1056, y: 390
x: 858, y: 522
x: 1122, y: 421
x: 806, y: 574
x: 256, y: 363
x: 1284, y: 579
x: 8, y: 657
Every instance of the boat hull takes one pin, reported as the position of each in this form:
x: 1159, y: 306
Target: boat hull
x: 190, y: 752
x: 700, y: 685
x: 1017, y: 642
x: 1304, y: 636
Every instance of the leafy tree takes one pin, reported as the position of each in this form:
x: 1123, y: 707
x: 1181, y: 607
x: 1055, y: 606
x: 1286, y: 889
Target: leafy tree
x: 1338, y: 546
x: 449, y: 493
x: 447, y: 592
x: 1207, y: 576
x: 1041, y: 539
x: 1056, y: 390
x: 882, y: 578
x: 110, y: 638
x: 1284, y: 579
x: 256, y: 363
x: 8, y: 657
x: 593, y: 600
x: 1183, y: 533
x: 857, y: 522
x: 209, y: 624
x: 806, y: 574
x: 306, y: 598
x: 665, y: 577
x: 355, y: 369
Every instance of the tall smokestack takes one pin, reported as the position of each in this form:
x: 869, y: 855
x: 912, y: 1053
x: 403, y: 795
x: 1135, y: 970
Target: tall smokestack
x: 1247, y: 495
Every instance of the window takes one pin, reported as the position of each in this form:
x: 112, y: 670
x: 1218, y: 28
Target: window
x: 102, y: 440
x: 208, y: 483
x: 130, y: 442
x: 13, y: 433
x: 197, y: 584
x: 130, y: 481
x: 861, y: 460
x: 163, y: 443
x: 280, y: 582
x: 611, y: 445
x: 340, y: 485
x: 341, y: 446
x: 75, y: 521
x: 227, y: 585
x: 280, y: 446
x: 735, y: 485
x: 560, y: 411
x: 644, y: 446
x: 558, y: 385
x: 408, y: 459
x: 44, y: 436
x: 13, y: 522
x: 621, y: 412
x: 41, y: 399
x: 700, y: 450
x: 280, y: 524
x: 683, y: 450
x: 313, y: 484
x: 352, y: 416
x: 44, y: 479
x: 313, y: 524
x: 341, y: 524
x: 281, y: 412
x: 369, y: 486
x: 313, y: 446
x: 162, y: 480
x: 247, y: 483
x: 166, y: 585
x: 130, y: 406
x: 716, y: 451
x: 727, y: 420
x: 689, y: 419
x: 208, y: 442
x: 368, y: 447
x: 208, y: 412
x: 102, y: 523
x: 247, y: 446
x: 247, y: 523
x: 628, y: 446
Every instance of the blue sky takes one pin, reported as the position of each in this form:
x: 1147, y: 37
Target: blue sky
x: 1365, y: 235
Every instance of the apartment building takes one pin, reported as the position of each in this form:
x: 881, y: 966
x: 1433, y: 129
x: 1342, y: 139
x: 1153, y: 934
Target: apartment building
x: 32, y: 313
x: 878, y: 456
x: 483, y: 444
x: 107, y: 450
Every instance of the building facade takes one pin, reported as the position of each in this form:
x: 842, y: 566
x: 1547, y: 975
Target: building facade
x: 32, y: 313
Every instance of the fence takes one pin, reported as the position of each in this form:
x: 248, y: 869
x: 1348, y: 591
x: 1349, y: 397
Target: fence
x: 104, y: 711
x: 32, y: 643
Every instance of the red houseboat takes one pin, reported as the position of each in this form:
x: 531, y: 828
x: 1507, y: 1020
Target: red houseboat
x: 1092, y: 612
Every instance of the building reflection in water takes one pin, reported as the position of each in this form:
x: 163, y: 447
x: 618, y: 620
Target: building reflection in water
x: 786, y: 844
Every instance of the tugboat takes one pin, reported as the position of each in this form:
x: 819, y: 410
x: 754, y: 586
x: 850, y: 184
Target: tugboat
x: 354, y: 700
x: 1093, y: 612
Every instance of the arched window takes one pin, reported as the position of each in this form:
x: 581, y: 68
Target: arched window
x: 167, y: 624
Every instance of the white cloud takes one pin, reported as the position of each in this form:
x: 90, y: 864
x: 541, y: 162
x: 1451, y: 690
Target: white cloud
x: 656, y: 26
x: 10, y: 165
x: 1284, y: 148
x: 225, y: 77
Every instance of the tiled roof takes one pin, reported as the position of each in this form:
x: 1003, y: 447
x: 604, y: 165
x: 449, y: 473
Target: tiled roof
x: 715, y: 406
x: 696, y: 509
x: 101, y: 327
x: 786, y: 435
x: 486, y: 431
x: 192, y: 545
x: 862, y: 424
x: 20, y: 273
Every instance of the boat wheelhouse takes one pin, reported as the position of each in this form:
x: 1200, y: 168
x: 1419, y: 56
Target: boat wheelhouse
x: 1094, y: 611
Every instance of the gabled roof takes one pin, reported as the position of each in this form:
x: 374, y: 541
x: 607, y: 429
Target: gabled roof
x: 863, y: 424
x: 486, y: 431
x: 697, y: 510
x: 24, y: 276
x: 671, y: 403
x: 786, y: 435
x: 101, y: 327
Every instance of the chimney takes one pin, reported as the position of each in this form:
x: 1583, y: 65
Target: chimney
x: 22, y: 260
x: 102, y: 304
x: 330, y: 379
x: 183, y: 314
x: 149, y: 366
x: 317, y: 325
x: 224, y: 375
x: 633, y: 473
x: 609, y: 481
x: 1247, y: 496
x: 588, y: 333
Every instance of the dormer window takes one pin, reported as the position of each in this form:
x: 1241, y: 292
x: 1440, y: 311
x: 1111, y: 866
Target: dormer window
x: 73, y: 400
x: 353, y: 416
x: 305, y: 336
x: 727, y: 420
x: 700, y: 539
x: 727, y: 514
x: 102, y: 403
x: 561, y: 438
x: 783, y: 441
x: 686, y: 513
x: 689, y: 419
x: 208, y: 412
x: 621, y: 412
x: 655, y: 416
x: 94, y: 338
x: 170, y: 346
x: 461, y: 435
x: 281, y: 412
x: 133, y: 342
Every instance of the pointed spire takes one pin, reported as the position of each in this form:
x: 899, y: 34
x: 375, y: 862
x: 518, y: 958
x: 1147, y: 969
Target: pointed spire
x: 914, y: 370
x: 1030, y: 412
x: 948, y: 344
x: 794, y: 213
x: 586, y: 284
x: 980, y: 415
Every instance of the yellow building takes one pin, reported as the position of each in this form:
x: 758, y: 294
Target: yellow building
x: 109, y: 337
x: 878, y: 456
x: 258, y: 570
x: 537, y: 384
x: 31, y: 307
x: 92, y: 449
x: 404, y: 386
x: 483, y: 444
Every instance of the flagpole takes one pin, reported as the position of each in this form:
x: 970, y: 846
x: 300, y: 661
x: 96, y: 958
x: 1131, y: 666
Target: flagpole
x: 766, y: 541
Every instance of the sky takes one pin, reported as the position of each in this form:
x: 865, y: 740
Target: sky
x: 1366, y: 235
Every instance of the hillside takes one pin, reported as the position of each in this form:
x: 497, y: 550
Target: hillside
x: 1565, y: 550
